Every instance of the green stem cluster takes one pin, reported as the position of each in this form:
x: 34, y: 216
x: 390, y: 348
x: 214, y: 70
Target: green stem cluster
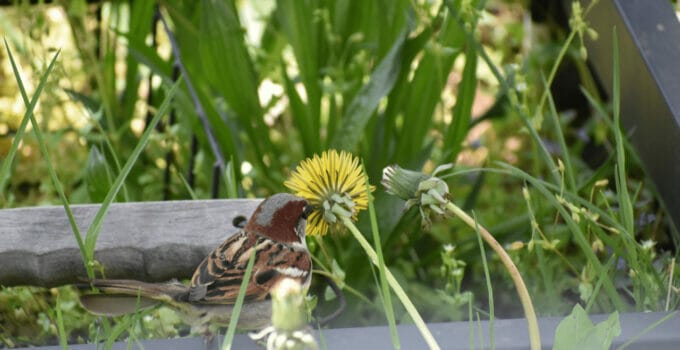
x: 398, y: 291
x: 525, y: 299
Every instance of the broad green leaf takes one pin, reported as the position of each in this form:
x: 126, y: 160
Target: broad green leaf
x: 462, y: 111
x: 272, y: 44
x: 366, y: 101
x: 577, y: 331
x: 386, y: 132
x: 184, y: 104
x: 301, y: 28
x: 301, y: 117
x: 141, y: 17
x: 226, y: 64
x: 226, y: 61
x: 424, y: 91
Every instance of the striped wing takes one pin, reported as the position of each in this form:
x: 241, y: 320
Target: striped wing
x: 218, y: 278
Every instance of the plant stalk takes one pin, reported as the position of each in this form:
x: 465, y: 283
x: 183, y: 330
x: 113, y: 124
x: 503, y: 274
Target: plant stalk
x: 400, y: 293
x: 525, y: 299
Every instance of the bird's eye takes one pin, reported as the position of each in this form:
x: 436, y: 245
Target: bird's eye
x: 239, y: 221
x: 307, y: 210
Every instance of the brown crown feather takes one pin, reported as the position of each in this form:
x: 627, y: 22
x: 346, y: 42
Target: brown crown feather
x: 277, y: 216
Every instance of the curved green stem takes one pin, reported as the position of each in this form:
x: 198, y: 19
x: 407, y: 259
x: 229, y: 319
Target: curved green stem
x: 398, y: 291
x: 525, y: 299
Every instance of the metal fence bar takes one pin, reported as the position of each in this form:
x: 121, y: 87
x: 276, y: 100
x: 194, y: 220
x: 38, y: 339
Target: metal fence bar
x: 648, y: 33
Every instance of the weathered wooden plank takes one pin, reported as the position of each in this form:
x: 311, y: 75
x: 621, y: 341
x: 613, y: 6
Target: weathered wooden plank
x: 151, y: 241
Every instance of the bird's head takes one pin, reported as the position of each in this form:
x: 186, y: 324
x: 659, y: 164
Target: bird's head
x: 282, y: 217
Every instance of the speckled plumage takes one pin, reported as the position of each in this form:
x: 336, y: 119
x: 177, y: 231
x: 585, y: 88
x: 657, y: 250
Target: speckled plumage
x: 275, y: 233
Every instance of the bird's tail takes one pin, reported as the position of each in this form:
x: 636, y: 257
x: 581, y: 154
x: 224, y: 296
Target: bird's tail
x: 119, y: 297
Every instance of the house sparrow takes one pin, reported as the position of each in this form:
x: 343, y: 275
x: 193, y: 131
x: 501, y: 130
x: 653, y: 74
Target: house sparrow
x: 275, y: 233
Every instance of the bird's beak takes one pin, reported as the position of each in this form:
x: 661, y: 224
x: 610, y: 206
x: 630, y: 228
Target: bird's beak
x: 308, y: 210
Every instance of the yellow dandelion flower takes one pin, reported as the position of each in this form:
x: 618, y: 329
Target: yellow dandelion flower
x: 333, y: 183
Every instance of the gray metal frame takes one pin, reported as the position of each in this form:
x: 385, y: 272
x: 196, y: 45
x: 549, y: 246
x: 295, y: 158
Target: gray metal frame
x: 649, y: 55
x: 509, y: 334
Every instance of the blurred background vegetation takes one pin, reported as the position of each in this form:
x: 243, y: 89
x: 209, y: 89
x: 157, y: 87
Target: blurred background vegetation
x: 413, y: 83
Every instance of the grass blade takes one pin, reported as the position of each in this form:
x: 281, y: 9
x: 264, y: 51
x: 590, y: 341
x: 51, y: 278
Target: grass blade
x: 97, y: 175
x: 230, y: 179
x: 63, y: 340
x: 510, y: 267
x: 545, y: 154
x: 604, y: 116
x: 471, y: 329
x: 117, y: 330
x: 579, y: 236
x: 95, y: 226
x: 236, y: 311
x: 514, y: 101
x: 389, y: 310
x: 553, y: 72
x: 30, y: 107
x: 186, y: 185
x: 598, y: 285
x: 43, y: 150
x: 488, y: 283
x: 646, y: 330
x: 396, y: 287
x: 670, y: 284
x: 621, y: 186
x: 559, y: 134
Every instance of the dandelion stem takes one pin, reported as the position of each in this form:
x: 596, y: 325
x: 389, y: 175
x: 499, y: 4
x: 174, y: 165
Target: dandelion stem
x: 401, y: 294
x: 525, y: 299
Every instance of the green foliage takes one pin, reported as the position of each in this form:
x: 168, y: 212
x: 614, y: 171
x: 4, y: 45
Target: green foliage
x: 577, y: 331
x: 395, y: 82
x: 36, y: 316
